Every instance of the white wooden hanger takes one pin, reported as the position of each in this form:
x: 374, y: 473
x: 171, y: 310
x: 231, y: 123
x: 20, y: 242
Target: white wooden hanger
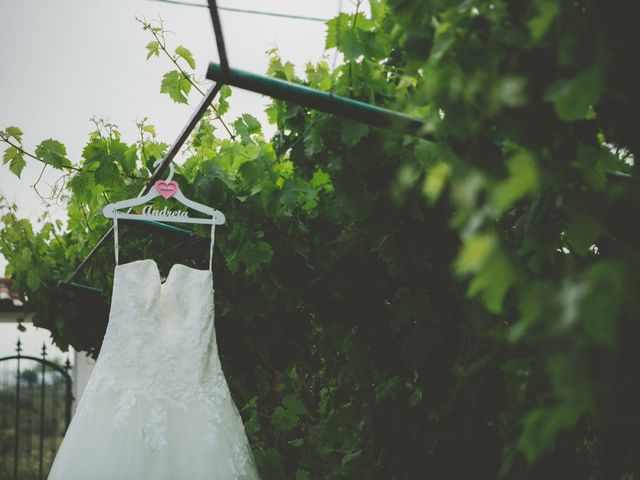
x: 167, y: 189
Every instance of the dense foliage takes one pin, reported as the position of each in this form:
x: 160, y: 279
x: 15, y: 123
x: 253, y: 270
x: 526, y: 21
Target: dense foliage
x: 388, y: 306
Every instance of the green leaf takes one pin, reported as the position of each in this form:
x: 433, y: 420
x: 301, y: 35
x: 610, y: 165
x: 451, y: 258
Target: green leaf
x: 291, y: 192
x: 9, y: 154
x: 343, y: 25
x: 298, y: 442
x: 33, y: 279
x: 335, y: 28
x: 321, y: 181
x: 303, y: 475
x: 493, y: 273
x: 176, y: 85
x: 595, y: 163
x: 435, y: 180
x: 444, y: 39
x: 287, y: 415
x: 523, y: 180
x: 582, y: 232
x: 534, y: 309
x: 82, y: 185
x: 223, y: 105
x: 378, y: 9
x: 204, y: 136
x: 284, y: 71
x: 186, y: 55
x: 318, y: 76
x: 350, y: 45
x: 53, y: 153
x: 17, y: 165
x: 542, y: 425
x: 153, y: 151
x: 574, y: 98
x: 493, y: 281
x: 250, y: 170
x: 313, y: 142
x: 14, y: 132
x: 107, y: 153
x: 352, y: 132
x: 129, y: 159
x: 602, y: 302
x: 153, y: 48
x: 388, y: 388
x: 416, y: 397
x: 246, y: 126
x: 255, y: 255
x: 149, y: 129
x: 547, y: 12
x: 107, y: 174
x: 16, y: 160
x: 475, y: 253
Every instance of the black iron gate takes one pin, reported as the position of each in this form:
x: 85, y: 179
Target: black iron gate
x: 35, y: 411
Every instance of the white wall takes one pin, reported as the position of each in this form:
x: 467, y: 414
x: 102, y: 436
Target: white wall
x: 82, y: 367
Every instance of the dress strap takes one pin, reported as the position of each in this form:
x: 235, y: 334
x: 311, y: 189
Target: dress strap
x: 213, y: 239
x: 115, y: 234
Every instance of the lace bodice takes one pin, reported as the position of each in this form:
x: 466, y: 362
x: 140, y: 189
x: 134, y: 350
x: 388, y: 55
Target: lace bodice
x: 171, y: 320
x: 160, y: 347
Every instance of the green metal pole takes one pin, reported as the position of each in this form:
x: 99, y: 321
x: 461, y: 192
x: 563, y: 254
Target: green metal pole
x: 78, y: 286
x: 316, y: 99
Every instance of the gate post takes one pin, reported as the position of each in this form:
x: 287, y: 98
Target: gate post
x: 17, y: 425
x: 42, y: 382
x: 68, y: 395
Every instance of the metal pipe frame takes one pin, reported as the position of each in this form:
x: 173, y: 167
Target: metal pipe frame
x: 317, y: 99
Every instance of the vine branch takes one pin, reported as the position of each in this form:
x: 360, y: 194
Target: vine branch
x: 162, y: 44
x: 67, y: 167
x: 24, y: 152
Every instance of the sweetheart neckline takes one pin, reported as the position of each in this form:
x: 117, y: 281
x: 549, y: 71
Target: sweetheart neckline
x: 155, y: 264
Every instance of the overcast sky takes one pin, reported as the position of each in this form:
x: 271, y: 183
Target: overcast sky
x: 66, y: 61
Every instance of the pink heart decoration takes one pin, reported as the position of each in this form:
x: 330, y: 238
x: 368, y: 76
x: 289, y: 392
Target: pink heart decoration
x: 166, y: 189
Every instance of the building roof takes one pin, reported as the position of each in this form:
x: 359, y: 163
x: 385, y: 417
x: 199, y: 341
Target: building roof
x: 9, y: 301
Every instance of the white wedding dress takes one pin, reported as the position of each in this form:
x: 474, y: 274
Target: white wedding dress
x: 157, y: 405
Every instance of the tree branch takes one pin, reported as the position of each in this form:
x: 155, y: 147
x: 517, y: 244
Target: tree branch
x: 68, y: 167
x: 24, y: 152
x: 162, y: 43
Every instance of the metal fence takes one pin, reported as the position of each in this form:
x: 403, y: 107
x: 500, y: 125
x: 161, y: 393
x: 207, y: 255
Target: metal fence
x: 35, y: 411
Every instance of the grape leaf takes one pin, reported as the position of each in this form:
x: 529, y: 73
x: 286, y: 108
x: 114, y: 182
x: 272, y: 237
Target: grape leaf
x: 286, y: 416
x: 352, y: 132
x: 254, y: 255
x: 523, y: 179
x: 246, y: 126
x: 53, y: 153
x: 186, y: 55
x: 129, y: 159
x: 574, y: 98
x: 176, y: 85
x: 107, y: 173
x: 14, y: 132
x: 16, y: 160
x: 82, y: 185
x: 583, y: 230
x: 154, y: 49
x: 223, y: 105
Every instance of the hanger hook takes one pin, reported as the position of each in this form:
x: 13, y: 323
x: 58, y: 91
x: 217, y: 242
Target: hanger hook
x: 171, y: 169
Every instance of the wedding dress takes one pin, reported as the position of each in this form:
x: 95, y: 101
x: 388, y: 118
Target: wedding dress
x: 157, y: 405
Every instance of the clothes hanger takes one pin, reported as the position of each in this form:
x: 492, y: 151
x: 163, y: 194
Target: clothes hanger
x: 167, y: 189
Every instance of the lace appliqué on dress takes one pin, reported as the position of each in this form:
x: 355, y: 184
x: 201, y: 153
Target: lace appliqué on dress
x: 154, y: 429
